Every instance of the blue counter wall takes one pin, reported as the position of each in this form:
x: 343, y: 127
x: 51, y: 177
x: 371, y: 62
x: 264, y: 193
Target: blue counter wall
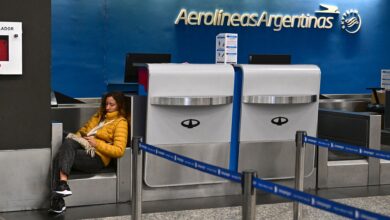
x: 91, y: 37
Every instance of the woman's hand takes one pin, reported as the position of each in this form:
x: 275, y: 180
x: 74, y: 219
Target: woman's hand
x: 91, y: 140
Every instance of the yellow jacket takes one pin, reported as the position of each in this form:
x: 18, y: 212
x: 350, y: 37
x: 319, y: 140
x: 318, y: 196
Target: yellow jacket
x: 111, y: 139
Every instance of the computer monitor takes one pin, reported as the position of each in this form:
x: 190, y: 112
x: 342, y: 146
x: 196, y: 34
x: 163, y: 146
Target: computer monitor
x: 270, y: 59
x: 131, y: 74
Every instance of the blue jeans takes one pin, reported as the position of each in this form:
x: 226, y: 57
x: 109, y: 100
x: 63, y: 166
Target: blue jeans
x: 72, y: 156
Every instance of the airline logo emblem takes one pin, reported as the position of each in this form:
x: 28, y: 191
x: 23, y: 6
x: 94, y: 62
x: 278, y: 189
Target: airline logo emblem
x: 351, y: 21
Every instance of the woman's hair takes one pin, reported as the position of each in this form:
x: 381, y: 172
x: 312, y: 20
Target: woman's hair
x: 123, y: 108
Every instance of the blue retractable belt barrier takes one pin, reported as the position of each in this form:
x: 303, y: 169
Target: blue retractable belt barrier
x: 292, y: 194
x: 347, y: 148
x: 315, y: 201
x: 195, y: 164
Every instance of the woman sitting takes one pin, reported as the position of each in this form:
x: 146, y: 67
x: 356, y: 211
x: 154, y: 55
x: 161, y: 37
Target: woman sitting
x: 91, y: 149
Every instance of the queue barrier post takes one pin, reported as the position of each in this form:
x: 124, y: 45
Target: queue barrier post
x: 249, y: 195
x: 136, y: 180
x: 299, y: 170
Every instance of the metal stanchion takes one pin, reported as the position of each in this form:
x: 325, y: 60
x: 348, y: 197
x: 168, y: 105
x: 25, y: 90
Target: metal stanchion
x: 249, y: 196
x: 136, y: 180
x: 299, y: 170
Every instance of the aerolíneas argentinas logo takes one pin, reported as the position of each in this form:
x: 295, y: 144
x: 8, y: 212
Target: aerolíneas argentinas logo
x: 324, y: 18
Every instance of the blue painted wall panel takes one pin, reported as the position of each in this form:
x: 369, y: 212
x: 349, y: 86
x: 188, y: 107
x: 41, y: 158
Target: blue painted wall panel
x: 78, y: 53
x: 91, y: 38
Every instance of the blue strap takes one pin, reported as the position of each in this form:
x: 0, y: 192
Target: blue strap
x: 315, y: 201
x: 347, y: 148
x: 195, y: 164
x: 283, y: 191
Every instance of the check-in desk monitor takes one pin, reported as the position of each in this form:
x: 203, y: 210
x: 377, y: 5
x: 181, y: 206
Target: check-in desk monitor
x: 269, y: 59
x: 131, y: 71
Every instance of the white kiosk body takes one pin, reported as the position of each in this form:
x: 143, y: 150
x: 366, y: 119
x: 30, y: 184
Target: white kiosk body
x: 277, y: 101
x: 189, y: 112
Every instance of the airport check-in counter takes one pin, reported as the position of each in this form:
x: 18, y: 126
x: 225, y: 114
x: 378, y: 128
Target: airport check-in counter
x: 277, y: 101
x: 344, y: 119
x: 189, y: 112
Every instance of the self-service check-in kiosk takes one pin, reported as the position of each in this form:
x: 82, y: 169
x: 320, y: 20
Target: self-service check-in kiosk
x: 189, y: 112
x: 276, y: 101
